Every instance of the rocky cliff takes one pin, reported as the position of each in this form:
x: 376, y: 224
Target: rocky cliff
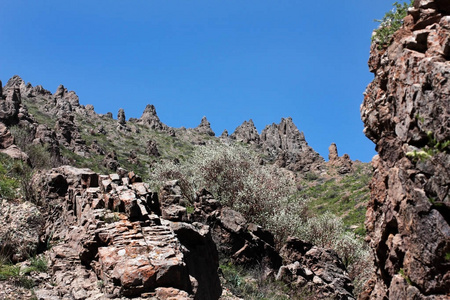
x: 406, y: 113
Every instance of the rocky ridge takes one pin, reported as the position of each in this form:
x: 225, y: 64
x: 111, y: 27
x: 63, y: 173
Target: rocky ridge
x: 113, y: 237
x: 406, y: 113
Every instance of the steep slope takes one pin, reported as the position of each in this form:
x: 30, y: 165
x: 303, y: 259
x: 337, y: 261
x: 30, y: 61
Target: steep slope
x: 406, y: 112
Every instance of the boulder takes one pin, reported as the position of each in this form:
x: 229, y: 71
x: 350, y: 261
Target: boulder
x: 343, y: 164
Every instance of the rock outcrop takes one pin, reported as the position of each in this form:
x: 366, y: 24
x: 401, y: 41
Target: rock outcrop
x: 21, y: 230
x: 70, y: 96
x: 111, y: 233
x: 204, y: 127
x: 343, y: 164
x: 288, y: 146
x: 121, y: 117
x: 150, y: 118
x: 320, y: 271
x: 246, y: 133
x: 406, y: 113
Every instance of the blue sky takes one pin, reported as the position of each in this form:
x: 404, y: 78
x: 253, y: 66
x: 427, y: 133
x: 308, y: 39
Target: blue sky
x: 227, y: 60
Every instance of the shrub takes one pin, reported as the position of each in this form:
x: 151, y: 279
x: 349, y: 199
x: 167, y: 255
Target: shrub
x: 8, y: 182
x: 234, y: 176
x: 390, y: 23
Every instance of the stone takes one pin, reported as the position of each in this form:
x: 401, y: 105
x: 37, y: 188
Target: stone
x: 321, y: 268
x: 150, y: 118
x: 9, y: 107
x: 152, y: 148
x: 121, y: 117
x: 285, y: 144
x: 205, y: 127
x: 406, y: 111
x: 343, y: 164
x: 6, y: 139
x: 246, y: 133
x: 21, y: 231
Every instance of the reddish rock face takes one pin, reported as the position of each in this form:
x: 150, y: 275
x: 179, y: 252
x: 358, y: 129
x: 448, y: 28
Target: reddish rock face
x: 406, y: 113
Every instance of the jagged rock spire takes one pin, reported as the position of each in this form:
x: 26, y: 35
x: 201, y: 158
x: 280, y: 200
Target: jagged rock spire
x: 150, y: 118
x: 205, y: 127
x: 246, y: 133
x: 121, y: 117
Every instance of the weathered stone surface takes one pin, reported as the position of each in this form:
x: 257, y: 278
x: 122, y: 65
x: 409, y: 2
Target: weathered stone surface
x: 316, y: 269
x: 6, y: 139
x: 243, y: 242
x: 150, y: 118
x: 9, y: 107
x: 205, y: 127
x: 342, y: 164
x: 285, y: 143
x: 110, y: 161
x: 201, y: 258
x: 246, y: 133
x: 108, y: 224
x: 21, y: 230
x: 68, y: 134
x: 68, y: 96
x: 121, y: 117
x: 406, y: 113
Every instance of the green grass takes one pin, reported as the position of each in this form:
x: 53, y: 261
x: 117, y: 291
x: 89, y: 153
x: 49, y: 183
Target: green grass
x: 10, y: 272
x: 345, y: 197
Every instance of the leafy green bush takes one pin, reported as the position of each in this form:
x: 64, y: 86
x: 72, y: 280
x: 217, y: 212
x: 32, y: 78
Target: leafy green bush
x: 390, y: 23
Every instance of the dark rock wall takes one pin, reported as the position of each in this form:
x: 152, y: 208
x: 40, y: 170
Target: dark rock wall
x: 406, y: 113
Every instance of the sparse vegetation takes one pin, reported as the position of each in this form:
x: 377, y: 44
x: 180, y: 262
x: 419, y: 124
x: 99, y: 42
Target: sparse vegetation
x: 390, y: 23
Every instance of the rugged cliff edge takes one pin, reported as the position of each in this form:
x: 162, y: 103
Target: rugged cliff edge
x: 406, y: 113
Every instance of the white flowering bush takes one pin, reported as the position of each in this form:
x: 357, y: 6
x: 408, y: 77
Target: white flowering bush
x: 264, y: 195
x: 234, y: 176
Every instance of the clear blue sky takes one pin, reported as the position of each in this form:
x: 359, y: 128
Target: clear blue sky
x: 227, y: 60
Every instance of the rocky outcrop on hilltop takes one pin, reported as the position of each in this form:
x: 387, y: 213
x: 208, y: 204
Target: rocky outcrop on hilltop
x: 204, y: 127
x: 343, y: 164
x: 150, y: 118
x: 246, y: 133
x: 406, y: 113
x: 287, y: 144
x: 10, y: 107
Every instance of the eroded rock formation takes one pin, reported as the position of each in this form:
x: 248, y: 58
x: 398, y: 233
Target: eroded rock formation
x: 246, y: 133
x: 285, y: 142
x: 150, y: 118
x: 406, y: 113
x: 343, y: 164
x: 205, y: 127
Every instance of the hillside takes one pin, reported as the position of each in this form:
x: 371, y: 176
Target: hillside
x: 48, y: 130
